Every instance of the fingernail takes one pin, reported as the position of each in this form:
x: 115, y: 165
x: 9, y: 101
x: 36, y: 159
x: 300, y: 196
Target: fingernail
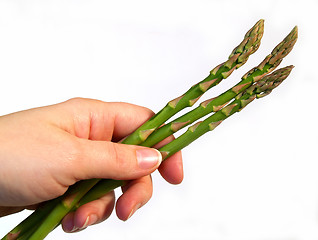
x: 133, y: 210
x: 69, y: 226
x: 85, y: 225
x: 90, y: 220
x: 148, y: 158
x: 74, y: 229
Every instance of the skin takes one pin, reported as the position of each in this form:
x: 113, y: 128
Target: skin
x: 45, y: 150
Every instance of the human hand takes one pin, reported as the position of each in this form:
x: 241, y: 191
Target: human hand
x: 45, y: 150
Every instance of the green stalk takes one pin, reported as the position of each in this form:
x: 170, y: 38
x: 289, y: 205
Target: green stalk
x: 268, y: 65
x: 254, y: 75
x: 67, y: 203
x: 26, y: 235
x: 100, y: 189
x: 31, y: 220
x: 214, y: 104
x: 259, y: 89
x: 238, y: 57
x: 88, y: 190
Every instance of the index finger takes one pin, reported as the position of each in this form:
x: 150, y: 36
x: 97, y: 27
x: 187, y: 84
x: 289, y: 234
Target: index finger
x: 103, y: 121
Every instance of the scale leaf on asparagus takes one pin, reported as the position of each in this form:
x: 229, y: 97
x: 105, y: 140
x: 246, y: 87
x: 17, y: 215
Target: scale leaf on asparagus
x: 214, y: 104
x: 238, y: 57
x: 254, y: 85
x: 259, y: 89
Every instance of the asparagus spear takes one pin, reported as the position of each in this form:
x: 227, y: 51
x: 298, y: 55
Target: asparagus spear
x: 66, y: 204
x: 238, y: 57
x: 257, y: 90
x: 31, y: 220
x: 260, y: 89
x: 63, y: 208
x: 214, y: 104
x: 269, y: 64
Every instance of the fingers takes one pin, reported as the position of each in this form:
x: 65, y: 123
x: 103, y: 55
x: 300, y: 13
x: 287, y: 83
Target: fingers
x: 89, y: 214
x: 4, y: 211
x: 136, y: 194
x: 97, y: 159
x: 172, y: 168
x: 105, y: 159
x: 97, y: 120
x: 127, y: 118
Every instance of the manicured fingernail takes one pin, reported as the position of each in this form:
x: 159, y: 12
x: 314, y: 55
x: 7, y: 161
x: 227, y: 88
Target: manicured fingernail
x: 148, y: 158
x: 90, y: 220
x: 68, y: 225
x: 74, y: 229
x: 85, y: 225
x: 133, y: 210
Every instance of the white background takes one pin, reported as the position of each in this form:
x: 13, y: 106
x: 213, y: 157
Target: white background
x: 254, y: 177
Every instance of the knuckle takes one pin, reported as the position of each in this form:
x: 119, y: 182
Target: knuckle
x: 115, y: 156
x: 147, y: 188
x: 75, y: 101
x: 119, y: 162
x: 74, y: 150
x: 73, y: 153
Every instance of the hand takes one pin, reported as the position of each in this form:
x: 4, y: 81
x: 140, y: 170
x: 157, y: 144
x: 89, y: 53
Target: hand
x: 45, y: 150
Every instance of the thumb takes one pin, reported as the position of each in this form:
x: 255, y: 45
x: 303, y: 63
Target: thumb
x: 100, y: 159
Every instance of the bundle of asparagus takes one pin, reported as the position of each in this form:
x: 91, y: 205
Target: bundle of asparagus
x: 256, y: 83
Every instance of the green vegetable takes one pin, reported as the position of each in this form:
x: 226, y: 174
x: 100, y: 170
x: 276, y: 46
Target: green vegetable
x: 254, y: 84
x: 214, y: 104
x: 260, y: 89
x: 238, y: 57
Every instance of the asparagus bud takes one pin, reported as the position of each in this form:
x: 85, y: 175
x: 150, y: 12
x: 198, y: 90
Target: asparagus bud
x: 253, y: 85
x: 257, y: 90
x: 237, y: 58
x: 214, y: 104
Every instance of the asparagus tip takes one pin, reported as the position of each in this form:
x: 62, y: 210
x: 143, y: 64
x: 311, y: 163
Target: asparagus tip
x: 271, y: 81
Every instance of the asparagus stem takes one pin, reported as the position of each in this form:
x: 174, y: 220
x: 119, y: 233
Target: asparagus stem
x: 86, y: 191
x: 265, y: 67
x: 237, y: 58
x: 259, y: 89
x: 254, y: 75
x: 214, y: 104
x: 100, y: 189
x: 31, y: 220
x: 26, y: 235
x: 62, y: 208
